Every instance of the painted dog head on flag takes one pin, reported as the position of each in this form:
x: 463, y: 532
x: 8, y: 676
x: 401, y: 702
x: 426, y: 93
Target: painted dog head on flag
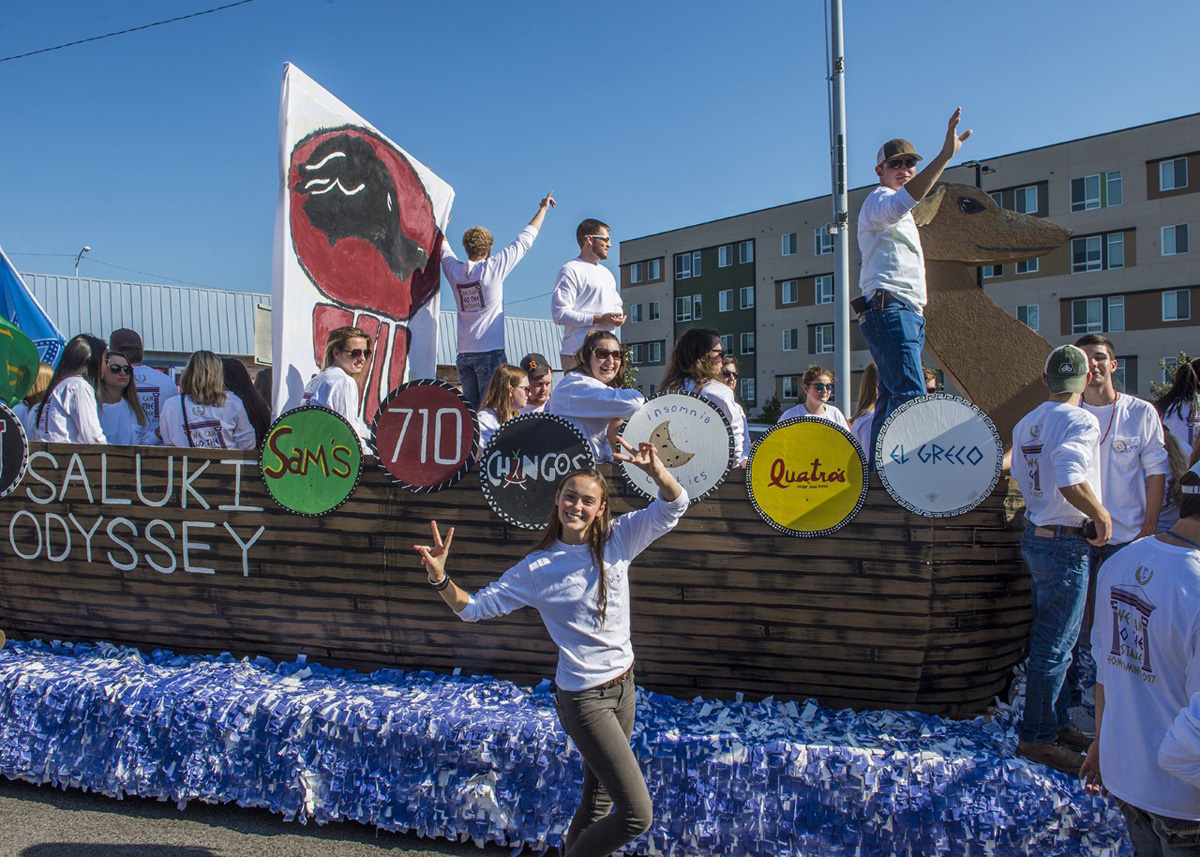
x: 363, y: 228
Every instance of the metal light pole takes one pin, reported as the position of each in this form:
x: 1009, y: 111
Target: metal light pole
x: 86, y: 249
x: 841, y: 216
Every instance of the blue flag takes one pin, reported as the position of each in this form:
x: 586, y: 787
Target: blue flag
x: 19, y: 306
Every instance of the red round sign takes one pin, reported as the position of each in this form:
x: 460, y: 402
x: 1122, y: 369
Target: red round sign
x: 424, y: 435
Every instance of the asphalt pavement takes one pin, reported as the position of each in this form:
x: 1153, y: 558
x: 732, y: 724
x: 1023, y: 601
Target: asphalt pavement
x: 41, y: 821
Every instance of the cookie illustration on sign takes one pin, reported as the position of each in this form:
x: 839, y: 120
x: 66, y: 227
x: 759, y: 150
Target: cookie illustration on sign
x: 671, y: 455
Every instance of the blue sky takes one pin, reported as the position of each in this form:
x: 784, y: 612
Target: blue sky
x: 159, y: 149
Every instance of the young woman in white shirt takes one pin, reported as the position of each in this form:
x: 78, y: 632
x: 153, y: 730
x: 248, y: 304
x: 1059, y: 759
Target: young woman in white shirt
x: 69, y: 413
x: 205, y: 415
x: 695, y: 367
x: 729, y: 377
x: 577, y: 578
x: 121, y: 413
x: 347, y: 356
x: 818, y: 387
x: 591, y: 395
x: 506, y: 395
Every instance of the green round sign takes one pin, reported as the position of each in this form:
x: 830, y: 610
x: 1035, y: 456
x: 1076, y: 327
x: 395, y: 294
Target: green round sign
x: 19, y: 361
x: 311, y: 460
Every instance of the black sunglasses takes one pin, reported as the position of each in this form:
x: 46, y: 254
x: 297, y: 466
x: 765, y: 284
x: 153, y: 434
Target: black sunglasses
x: 357, y: 353
x: 120, y: 370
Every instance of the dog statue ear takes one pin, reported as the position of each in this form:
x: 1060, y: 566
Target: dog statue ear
x: 927, y: 209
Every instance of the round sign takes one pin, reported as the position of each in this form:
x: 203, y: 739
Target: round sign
x: 311, y: 460
x: 425, y: 435
x: 14, y: 451
x: 939, y: 455
x: 523, y: 463
x: 693, y: 440
x: 807, y: 477
x: 20, y: 355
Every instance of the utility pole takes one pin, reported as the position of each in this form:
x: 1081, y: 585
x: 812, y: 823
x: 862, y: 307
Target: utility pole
x: 841, y: 215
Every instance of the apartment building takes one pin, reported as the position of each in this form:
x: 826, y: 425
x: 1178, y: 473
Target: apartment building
x: 764, y: 279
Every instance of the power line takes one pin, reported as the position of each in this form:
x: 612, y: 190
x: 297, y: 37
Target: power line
x: 124, y: 32
x: 96, y: 261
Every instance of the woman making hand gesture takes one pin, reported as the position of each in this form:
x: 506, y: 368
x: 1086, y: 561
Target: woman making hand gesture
x: 577, y: 578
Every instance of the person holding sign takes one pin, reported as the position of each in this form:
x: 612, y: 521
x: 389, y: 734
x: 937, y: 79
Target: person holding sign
x: 577, y: 578
x: 205, y: 415
x: 506, y: 395
x: 69, y: 413
x: 347, y: 355
x: 121, y: 412
x: 695, y: 367
x: 818, y: 387
x: 591, y: 396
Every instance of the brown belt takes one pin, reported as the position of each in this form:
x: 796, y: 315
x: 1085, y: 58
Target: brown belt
x: 1057, y: 531
x: 613, y: 682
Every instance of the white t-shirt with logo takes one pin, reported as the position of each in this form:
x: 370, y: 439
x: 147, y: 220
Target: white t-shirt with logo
x: 1055, y: 446
x: 154, y: 389
x: 478, y: 289
x: 1146, y: 644
x: 208, y: 426
x: 1131, y: 448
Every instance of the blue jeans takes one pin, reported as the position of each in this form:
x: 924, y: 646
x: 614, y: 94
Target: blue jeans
x: 1159, y: 836
x: 475, y: 371
x: 896, y: 336
x: 1058, y: 568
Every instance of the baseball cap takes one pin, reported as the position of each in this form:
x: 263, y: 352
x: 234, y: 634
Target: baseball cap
x: 894, y: 149
x: 1067, y: 369
x: 535, y: 365
x: 124, y: 338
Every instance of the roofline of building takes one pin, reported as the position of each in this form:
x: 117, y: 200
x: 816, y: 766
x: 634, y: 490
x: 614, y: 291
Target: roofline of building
x: 861, y: 187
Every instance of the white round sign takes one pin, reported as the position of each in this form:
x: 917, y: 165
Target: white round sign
x: 939, y: 455
x: 693, y: 440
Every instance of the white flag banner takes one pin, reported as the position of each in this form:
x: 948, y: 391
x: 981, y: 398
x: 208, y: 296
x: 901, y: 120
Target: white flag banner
x: 358, y: 238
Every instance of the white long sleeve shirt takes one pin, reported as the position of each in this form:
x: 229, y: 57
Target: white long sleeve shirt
x: 721, y: 396
x: 1056, y: 445
x: 1179, y: 753
x: 336, y: 390
x: 562, y: 583
x: 590, y: 405
x: 478, y: 289
x: 208, y: 426
x: 892, y: 258
x: 70, y: 414
x: 121, y: 426
x: 582, y: 291
x: 832, y: 414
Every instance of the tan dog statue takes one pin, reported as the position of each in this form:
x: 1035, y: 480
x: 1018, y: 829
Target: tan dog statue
x: 993, y: 359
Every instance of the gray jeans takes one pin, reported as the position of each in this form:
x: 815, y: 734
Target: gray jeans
x: 600, y: 722
x: 1158, y: 836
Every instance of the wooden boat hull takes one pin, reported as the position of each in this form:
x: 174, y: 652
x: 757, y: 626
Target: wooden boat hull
x: 184, y: 549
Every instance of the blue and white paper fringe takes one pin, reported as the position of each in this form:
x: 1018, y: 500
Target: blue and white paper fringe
x: 482, y: 759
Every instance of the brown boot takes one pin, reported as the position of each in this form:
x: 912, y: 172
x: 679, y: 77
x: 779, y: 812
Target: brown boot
x: 1053, y: 755
x: 1073, y: 739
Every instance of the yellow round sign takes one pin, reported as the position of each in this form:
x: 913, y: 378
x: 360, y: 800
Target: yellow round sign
x: 807, y: 477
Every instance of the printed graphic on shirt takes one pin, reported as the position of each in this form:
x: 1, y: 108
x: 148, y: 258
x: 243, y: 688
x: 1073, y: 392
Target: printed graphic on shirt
x: 1126, y: 445
x: 1131, y: 611
x: 1033, y: 461
x: 149, y: 400
x: 470, y: 297
x: 206, y: 434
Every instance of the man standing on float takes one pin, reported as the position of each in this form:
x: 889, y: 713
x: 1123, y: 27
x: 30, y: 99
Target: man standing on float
x: 893, y: 269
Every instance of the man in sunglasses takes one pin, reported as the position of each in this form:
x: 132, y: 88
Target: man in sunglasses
x: 585, y: 294
x: 892, y: 278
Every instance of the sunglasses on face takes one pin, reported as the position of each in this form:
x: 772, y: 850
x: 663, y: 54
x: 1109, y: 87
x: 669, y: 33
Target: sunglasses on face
x: 605, y: 238
x: 602, y: 354
x: 357, y: 353
x: 821, y: 388
x: 901, y: 163
x: 725, y: 373
x: 120, y: 370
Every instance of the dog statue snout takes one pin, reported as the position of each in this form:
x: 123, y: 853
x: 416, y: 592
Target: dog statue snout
x: 961, y: 223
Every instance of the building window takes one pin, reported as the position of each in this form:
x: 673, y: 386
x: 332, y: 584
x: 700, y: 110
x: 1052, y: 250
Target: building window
x: 1112, y: 183
x: 746, y: 387
x: 725, y: 300
x: 635, y: 313
x: 1087, y: 315
x: 637, y: 353
x: 746, y: 297
x: 687, y: 265
x: 990, y: 271
x: 1172, y: 174
x: 1116, y: 313
x: 1028, y: 266
x: 654, y: 269
x: 1098, y: 252
x: 654, y: 352
x: 822, y: 339
x: 1099, y: 190
x: 822, y: 241
x: 823, y: 288
x: 998, y: 198
x: 788, y: 243
x: 789, y: 292
x: 724, y: 255
x: 791, y: 339
x: 635, y: 272
x: 683, y: 308
x: 790, y: 386
x: 1025, y: 200
x: 1027, y: 314
x: 655, y: 310
x: 1177, y: 305
x: 1125, y: 375
x: 746, y: 252
x: 1174, y: 239
x: 746, y: 344
x: 727, y: 342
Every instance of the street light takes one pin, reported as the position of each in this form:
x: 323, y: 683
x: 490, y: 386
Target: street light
x: 86, y: 249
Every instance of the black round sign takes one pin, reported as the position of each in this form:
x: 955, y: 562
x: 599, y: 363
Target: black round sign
x: 523, y: 463
x: 14, y: 451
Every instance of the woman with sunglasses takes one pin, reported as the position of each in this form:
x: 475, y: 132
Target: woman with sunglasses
x: 591, y: 395
x: 818, y: 387
x: 729, y: 377
x: 121, y: 413
x: 577, y: 578
x: 347, y: 356
x: 506, y: 395
x: 205, y: 415
x: 695, y: 367
x: 69, y: 413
